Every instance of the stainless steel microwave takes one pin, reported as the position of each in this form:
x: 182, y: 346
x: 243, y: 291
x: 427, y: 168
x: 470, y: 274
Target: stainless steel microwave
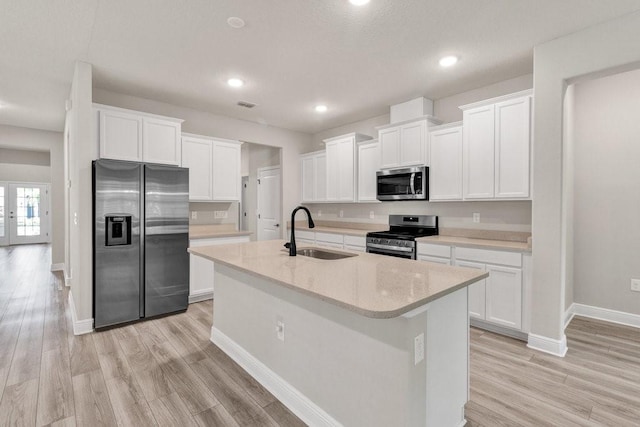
x: 403, y: 184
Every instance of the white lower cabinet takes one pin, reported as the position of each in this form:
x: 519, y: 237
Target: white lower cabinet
x: 355, y: 243
x: 201, y: 270
x: 330, y: 240
x: 499, y: 299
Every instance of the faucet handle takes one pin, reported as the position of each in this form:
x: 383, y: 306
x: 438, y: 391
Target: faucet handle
x: 287, y: 245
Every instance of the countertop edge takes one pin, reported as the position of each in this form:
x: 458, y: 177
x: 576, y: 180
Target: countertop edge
x: 358, y: 310
x: 214, y: 235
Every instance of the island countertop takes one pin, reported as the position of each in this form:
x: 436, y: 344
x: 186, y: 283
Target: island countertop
x: 372, y: 285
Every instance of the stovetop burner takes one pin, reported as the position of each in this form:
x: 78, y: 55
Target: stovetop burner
x: 406, y: 227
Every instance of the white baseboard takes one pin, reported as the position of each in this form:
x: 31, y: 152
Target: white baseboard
x: 80, y: 327
x: 57, y: 267
x: 605, y: 314
x: 298, y: 403
x: 201, y: 295
x: 548, y: 345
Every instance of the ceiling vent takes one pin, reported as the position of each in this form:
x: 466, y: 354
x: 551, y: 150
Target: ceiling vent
x: 246, y: 104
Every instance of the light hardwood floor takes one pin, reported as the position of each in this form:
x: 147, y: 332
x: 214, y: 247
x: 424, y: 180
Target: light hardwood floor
x: 166, y: 371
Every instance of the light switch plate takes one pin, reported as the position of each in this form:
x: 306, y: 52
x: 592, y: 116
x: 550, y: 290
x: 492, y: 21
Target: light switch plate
x: 418, y: 349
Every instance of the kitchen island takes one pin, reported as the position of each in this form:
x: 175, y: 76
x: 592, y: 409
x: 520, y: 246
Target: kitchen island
x: 365, y: 340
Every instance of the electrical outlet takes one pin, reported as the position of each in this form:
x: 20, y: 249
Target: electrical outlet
x: 220, y: 214
x: 341, y: 213
x: 635, y: 285
x: 371, y: 215
x: 476, y: 217
x: 418, y: 349
x: 194, y: 214
x: 280, y: 329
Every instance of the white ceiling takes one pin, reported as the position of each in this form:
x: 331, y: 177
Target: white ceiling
x: 292, y: 54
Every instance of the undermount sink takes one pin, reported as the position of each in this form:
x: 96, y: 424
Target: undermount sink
x: 323, y: 253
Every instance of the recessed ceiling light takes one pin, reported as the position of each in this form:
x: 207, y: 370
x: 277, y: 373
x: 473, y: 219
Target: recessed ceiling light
x: 358, y: 2
x: 448, y: 61
x: 235, y: 82
x: 321, y: 108
x: 235, y: 22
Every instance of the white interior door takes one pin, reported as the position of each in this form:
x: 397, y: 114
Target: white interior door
x: 4, y: 210
x: 269, y: 204
x: 28, y: 213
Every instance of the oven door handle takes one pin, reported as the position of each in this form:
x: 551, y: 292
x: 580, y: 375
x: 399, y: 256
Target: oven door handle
x: 412, y: 183
x: 389, y: 248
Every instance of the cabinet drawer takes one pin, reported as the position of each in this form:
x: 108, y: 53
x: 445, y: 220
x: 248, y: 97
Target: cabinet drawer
x: 306, y: 235
x: 437, y: 259
x: 213, y: 241
x: 329, y: 238
x: 443, y: 251
x: 488, y: 256
x: 355, y: 241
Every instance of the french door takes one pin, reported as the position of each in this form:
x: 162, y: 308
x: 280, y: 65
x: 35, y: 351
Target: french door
x: 24, y: 213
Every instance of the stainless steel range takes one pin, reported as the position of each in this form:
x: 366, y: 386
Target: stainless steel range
x: 400, y: 239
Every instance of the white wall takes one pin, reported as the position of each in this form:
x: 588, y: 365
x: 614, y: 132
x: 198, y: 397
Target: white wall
x: 24, y: 139
x: 611, y: 45
x: 607, y: 191
x: 205, y: 212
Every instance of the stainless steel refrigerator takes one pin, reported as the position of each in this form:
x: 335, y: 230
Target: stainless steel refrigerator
x: 140, y: 240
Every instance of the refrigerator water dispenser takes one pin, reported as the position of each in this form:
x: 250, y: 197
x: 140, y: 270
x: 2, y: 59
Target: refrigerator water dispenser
x: 118, y: 230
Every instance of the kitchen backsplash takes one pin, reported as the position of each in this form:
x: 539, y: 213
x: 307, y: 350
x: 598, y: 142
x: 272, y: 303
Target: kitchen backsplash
x: 206, y: 213
x: 506, y: 216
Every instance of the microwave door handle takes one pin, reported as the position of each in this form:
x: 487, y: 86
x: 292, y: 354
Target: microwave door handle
x: 412, y: 183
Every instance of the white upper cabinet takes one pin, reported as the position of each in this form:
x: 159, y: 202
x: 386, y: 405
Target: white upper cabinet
x: 368, y: 165
x: 214, y: 168
x: 478, y: 157
x: 313, y: 168
x: 342, y: 167
x: 226, y: 170
x: 496, y: 146
x: 135, y: 136
x: 120, y: 135
x: 445, y: 172
x: 197, y: 155
x: 406, y: 143
x: 513, y: 130
x: 161, y: 141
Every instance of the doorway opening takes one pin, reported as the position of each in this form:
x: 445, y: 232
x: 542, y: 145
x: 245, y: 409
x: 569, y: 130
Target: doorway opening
x: 24, y: 213
x: 261, y: 205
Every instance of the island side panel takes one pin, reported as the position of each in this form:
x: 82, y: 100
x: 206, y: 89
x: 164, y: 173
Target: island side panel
x: 359, y: 370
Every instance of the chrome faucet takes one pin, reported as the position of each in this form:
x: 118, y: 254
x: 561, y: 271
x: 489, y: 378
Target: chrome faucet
x: 291, y: 245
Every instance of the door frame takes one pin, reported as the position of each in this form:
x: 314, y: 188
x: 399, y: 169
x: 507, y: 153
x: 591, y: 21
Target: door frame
x: 45, y: 220
x: 258, y: 172
x: 4, y: 241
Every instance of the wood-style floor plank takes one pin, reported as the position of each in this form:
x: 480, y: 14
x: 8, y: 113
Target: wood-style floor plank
x: 166, y: 371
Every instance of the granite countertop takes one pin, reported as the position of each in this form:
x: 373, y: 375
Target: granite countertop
x: 374, y: 286
x: 215, y: 230
x: 476, y: 243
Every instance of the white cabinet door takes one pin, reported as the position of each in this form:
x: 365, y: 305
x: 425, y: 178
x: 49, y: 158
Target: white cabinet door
x: 478, y: 158
x: 333, y: 171
x: 308, y: 171
x: 368, y: 165
x: 504, y: 296
x: 413, y: 137
x: 341, y: 170
x: 445, y: 172
x: 160, y: 141
x: 226, y: 170
x: 389, y: 147
x: 201, y: 272
x: 477, y: 292
x: 197, y: 155
x: 120, y: 135
x: 347, y: 172
x: 513, y: 130
x: 320, y: 177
